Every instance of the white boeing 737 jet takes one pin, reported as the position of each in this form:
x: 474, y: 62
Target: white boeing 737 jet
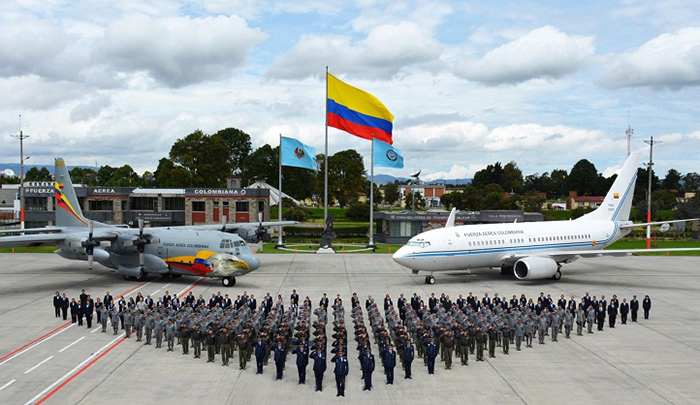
x: 533, y: 250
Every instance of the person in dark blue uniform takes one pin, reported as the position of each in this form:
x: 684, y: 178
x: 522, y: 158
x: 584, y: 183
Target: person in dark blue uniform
x: 302, y: 360
x: 646, y: 306
x: 280, y: 358
x: 408, y: 355
x: 341, y: 371
x: 319, y: 367
x: 260, y: 349
x: 389, y: 364
x: 367, y: 363
x: 431, y: 352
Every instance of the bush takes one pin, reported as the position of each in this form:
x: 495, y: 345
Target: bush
x: 358, y: 212
x: 297, y: 213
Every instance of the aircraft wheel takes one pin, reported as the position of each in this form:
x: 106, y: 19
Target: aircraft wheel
x: 557, y: 275
x: 142, y: 276
x: 127, y: 278
x: 176, y: 275
x: 228, y: 281
x: 429, y: 280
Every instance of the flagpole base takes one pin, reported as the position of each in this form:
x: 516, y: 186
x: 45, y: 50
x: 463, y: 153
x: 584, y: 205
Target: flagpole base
x: 371, y: 246
x: 280, y: 246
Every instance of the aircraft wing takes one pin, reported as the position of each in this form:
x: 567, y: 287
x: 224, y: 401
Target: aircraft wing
x: 233, y: 227
x: 632, y: 225
x: 47, y: 229
x: 31, y: 240
x: 564, y: 255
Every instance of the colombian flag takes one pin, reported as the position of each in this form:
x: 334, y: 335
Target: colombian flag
x: 357, y: 112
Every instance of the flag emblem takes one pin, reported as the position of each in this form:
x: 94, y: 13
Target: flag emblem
x: 616, y: 196
x: 392, y: 155
x: 299, y: 153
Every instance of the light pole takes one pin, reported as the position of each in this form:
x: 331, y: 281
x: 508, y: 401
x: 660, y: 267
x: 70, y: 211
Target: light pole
x: 651, y: 143
x: 21, y: 138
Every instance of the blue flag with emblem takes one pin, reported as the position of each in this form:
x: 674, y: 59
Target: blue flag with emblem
x: 386, y: 155
x: 297, y: 154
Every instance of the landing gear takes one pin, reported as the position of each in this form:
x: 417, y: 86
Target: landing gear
x: 142, y: 276
x: 429, y: 280
x: 128, y: 278
x: 228, y: 281
x: 176, y: 275
x: 507, y: 270
x: 557, y: 275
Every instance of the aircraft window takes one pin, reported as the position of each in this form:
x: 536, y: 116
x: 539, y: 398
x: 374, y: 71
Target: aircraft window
x: 412, y: 243
x: 424, y: 244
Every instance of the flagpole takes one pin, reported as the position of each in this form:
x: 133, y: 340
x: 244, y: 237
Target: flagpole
x: 325, y: 157
x: 279, y: 203
x: 371, y: 197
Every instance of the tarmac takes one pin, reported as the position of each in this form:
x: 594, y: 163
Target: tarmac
x: 44, y: 359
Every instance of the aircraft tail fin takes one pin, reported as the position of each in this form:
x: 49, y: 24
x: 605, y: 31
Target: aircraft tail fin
x: 618, y: 202
x: 451, y: 219
x: 68, y: 212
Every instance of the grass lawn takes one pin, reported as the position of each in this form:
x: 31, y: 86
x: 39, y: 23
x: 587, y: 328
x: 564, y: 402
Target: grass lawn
x: 38, y: 249
x: 661, y: 244
x: 269, y: 248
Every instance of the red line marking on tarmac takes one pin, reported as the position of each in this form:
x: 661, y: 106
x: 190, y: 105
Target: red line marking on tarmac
x: 34, y: 341
x: 39, y: 339
x: 191, y: 287
x: 77, y: 373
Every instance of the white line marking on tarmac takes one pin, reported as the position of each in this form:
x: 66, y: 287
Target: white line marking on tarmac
x: 197, y: 281
x: 76, y: 368
x: 31, y: 347
x: 96, y: 329
x: 7, y: 385
x: 61, y: 351
x: 155, y: 292
x: 166, y: 286
x: 33, y: 368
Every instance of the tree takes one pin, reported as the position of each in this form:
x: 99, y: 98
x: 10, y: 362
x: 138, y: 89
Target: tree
x: 691, y: 182
x: 238, y: 145
x: 298, y: 182
x: 105, y: 174
x: 207, y: 158
x: 124, y: 176
x: 584, y: 178
x: 472, y: 199
x: 262, y: 165
x: 532, y: 201
x: 346, y: 171
x: 492, y: 174
x: 452, y: 200
x: 34, y: 174
x: 391, y: 193
x: 688, y: 209
x: 642, y: 185
x: 85, y: 176
x: 358, y: 211
x: 672, y: 181
x: 559, y: 186
x: 512, y: 178
x: 378, y: 198
x: 420, y: 201
x: 665, y: 199
x: 167, y: 175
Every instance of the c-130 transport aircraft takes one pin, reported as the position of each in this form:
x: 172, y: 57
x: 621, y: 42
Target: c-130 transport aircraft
x: 533, y: 250
x: 199, y: 250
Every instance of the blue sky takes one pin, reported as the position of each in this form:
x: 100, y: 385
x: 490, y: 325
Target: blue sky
x: 543, y: 83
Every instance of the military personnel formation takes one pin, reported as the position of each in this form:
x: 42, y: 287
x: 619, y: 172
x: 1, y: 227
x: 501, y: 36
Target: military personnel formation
x: 469, y: 326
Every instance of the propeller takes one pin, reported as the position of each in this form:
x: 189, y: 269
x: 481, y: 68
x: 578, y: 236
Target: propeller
x: 140, y: 242
x: 90, y: 244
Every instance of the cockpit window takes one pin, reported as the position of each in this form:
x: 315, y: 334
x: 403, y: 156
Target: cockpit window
x: 412, y: 243
x: 239, y: 243
x: 226, y: 244
x: 422, y: 244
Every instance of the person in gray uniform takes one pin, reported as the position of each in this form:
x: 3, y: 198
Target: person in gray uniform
x: 505, y: 341
x: 568, y: 323
x: 528, y: 331
x: 555, y: 325
x: 148, y: 326
x: 139, y: 321
x: 518, y: 333
x: 541, y: 328
x: 128, y: 322
x: 590, y: 318
x: 103, y: 315
x: 580, y: 320
x: 158, y: 330
x: 114, y: 319
x: 170, y: 334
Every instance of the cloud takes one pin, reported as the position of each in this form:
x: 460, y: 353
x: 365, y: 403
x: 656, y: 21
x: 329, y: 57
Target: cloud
x: 91, y: 108
x: 543, y: 53
x: 455, y: 172
x: 383, y: 53
x: 179, y: 51
x: 669, y: 61
x: 535, y: 136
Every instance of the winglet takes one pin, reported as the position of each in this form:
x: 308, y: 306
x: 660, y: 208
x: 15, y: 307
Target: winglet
x: 451, y: 219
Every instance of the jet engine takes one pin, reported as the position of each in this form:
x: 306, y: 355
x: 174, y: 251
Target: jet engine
x: 535, y: 268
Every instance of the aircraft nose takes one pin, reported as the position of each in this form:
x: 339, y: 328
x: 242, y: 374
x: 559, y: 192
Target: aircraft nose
x: 252, y: 261
x: 400, y: 256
